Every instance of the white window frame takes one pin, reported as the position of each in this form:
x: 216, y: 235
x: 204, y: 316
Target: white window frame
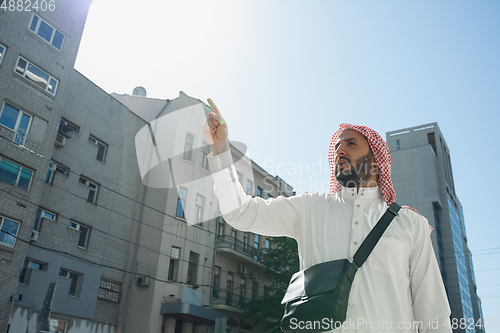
x: 199, y: 209
x: 66, y: 275
x: 2, y: 219
x: 3, y: 52
x: 248, y: 190
x: 44, y: 215
x: 37, y: 29
x: 25, y: 71
x: 183, y: 203
x: 187, y: 154
x: 87, y: 182
x: 192, y: 273
x: 18, y: 121
x: 173, y: 267
x: 27, y: 274
x: 55, y: 167
x: 78, y: 227
x: 98, y: 143
x: 205, y: 150
x: 21, y: 168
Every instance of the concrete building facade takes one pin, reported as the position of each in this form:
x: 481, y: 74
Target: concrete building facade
x: 423, y: 179
x: 69, y: 178
x: 227, y: 273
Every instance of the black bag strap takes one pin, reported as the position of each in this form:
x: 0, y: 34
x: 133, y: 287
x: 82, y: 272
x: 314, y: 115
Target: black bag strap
x: 373, y: 237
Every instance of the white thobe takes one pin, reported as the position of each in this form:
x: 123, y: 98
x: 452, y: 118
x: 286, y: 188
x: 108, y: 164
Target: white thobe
x: 399, y: 287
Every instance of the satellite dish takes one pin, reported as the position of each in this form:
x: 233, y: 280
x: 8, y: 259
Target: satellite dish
x: 139, y: 91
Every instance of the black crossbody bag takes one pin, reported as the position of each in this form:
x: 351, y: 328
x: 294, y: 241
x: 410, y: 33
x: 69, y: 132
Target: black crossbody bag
x: 318, y: 295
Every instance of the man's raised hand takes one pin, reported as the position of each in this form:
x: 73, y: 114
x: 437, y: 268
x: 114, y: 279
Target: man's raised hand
x: 215, y: 130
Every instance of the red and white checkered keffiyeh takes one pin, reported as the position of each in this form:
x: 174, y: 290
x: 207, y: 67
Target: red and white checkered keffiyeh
x: 382, y: 157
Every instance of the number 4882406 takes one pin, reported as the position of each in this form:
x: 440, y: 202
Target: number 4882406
x: 28, y: 5
x: 462, y: 323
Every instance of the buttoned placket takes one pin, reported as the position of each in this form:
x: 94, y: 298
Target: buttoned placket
x: 356, y: 226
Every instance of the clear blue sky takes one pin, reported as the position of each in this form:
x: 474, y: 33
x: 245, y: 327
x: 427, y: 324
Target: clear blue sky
x: 286, y: 73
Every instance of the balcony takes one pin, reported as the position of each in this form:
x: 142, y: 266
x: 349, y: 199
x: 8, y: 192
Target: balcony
x: 229, y: 298
x: 226, y: 242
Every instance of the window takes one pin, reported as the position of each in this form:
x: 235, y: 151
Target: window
x: 36, y: 75
x: 205, y: 150
x: 110, y: 290
x: 43, y: 214
x: 222, y: 225
x: 102, y: 148
x: 67, y: 126
x: 200, y: 201
x: 243, y: 289
x: 93, y: 189
x: 229, y: 287
x: 256, y: 246
x: 240, y: 177
x: 8, y: 231
x: 15, y: 174
x: 181, y: 201
x: 255, y: 291
x: 216, y: 281
x: 397, y: 142
x: 46, y: 31
x: 76, y: 281
x: 192, y: 268
x: 234, y: 236
x: 269, y: 196
x: 55, y: 167
x: 83, y: 240
x: 174, y: 263
x: 259, y: 191
x: 249, y: 187
x: 267, y: 243
x: 245, y: 241
x: 28, y: 266
x: 188, y: 147
x: 17, y: 121
x: 2, y: 52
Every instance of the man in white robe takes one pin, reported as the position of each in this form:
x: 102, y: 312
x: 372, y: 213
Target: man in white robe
x: 399, y: 288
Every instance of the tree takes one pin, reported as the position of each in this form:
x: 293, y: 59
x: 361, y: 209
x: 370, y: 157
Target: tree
x: 281, y: 261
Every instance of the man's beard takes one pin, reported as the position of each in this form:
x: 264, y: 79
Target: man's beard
x: 358, y: 174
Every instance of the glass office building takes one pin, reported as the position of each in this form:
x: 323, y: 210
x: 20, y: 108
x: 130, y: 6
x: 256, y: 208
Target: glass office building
x: 423, y: 179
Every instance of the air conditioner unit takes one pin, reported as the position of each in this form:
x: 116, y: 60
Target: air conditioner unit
x: 142, y: 281
x: 253, y: 275
x: 242, y: 269
x: 34, y: 235
x: 60, y: 140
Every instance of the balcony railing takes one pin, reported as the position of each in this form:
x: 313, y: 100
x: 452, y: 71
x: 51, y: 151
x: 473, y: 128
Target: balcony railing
x: 229, y: 242
x: 229, y: 297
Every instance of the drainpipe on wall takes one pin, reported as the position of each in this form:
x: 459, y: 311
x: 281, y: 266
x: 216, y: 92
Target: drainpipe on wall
x: 132, y: 271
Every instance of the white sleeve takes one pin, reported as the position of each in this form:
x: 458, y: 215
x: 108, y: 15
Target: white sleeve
x: 271, y: 217
x: 430, y: 303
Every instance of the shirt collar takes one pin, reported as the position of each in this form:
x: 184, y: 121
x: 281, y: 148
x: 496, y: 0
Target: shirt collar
x: 364, y: 192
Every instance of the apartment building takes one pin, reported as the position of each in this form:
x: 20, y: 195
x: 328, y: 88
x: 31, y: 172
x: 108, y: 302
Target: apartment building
x: 69, y: 180
x: 423, y: 178
x: 210, y: 268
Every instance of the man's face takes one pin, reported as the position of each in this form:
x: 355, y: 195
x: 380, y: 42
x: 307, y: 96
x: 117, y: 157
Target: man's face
x: 354, y: 163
